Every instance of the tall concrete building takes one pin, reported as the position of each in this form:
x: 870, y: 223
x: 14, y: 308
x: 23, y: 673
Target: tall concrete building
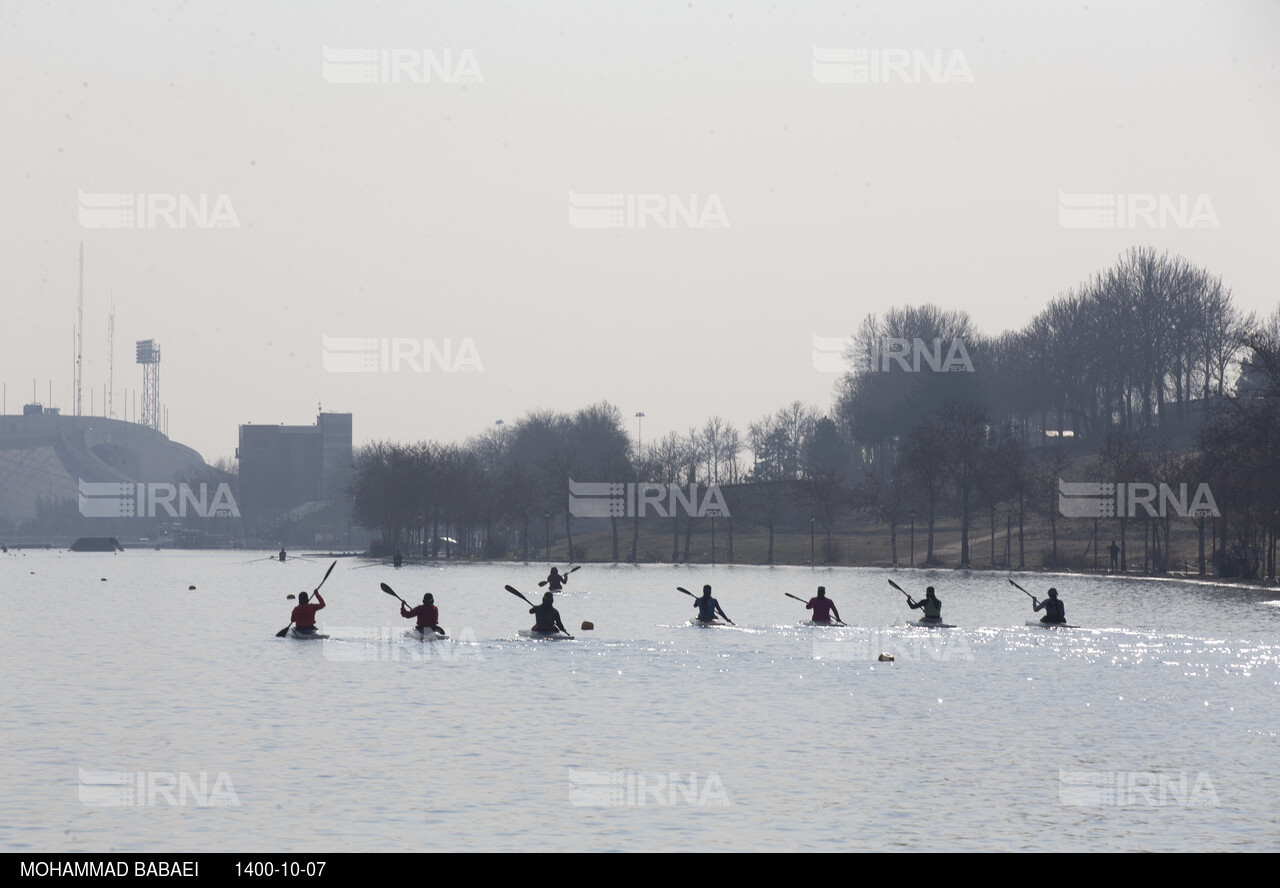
x: 290, y: 473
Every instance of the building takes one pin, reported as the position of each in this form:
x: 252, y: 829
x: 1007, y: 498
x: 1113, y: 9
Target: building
x: 291, y: 473
x: 44, y: 456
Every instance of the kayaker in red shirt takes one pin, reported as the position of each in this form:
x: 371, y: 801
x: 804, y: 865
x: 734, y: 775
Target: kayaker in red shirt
x: 304, y: 615
x: 823, y: 607
x: 427, y: 613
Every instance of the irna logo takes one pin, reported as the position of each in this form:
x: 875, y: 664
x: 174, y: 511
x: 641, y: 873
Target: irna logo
x: 626, y: 500
x: 399, y: 66
x: 623, y: 210
x: 398, y: 355
x: 119, y: 210
x: 1097, y: 210
x: 114, y: 789
x: 890, y: 66
x: 111, y: 499
x: 1092, y: 499
x: 632, y: 789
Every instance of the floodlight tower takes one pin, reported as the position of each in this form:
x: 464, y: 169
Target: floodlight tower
x: 149, y: 358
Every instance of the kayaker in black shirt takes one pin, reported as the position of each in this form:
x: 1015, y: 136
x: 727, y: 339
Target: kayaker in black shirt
x: 555, y: 580
x: 546, y: 617
x: 1054, y: 611
x: 708, y: 607
x: 932, y: 606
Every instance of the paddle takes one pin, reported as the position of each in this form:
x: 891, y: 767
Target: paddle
x: 698, y: 597
x: 565, y: 574
x: 516, y: 592
x: 285, y: 631
x: 900, y: 589
x: 839, y: 622
x: 1020, y: 589
x: 392, y: 593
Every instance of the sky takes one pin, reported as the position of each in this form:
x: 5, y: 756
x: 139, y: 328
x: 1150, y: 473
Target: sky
x: 436, y: 216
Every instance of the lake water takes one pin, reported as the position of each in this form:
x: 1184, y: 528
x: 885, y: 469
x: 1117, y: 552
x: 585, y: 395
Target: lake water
x: 142, y: 716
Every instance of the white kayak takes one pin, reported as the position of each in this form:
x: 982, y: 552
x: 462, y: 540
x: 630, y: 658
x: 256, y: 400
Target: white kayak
x: 934, y: 624
x: 1051, y: 625
x: 554, y: 635
x: 819, y: 624
x: 429, y: 635
x: 302, y: 635
x: 705, y: 623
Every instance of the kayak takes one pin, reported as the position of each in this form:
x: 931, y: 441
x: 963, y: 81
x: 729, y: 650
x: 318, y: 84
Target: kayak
x: 429, y: 635
x: 707, y: 623
x: 553, y: 635
x: 1051, y: 625
x: 819, y: 624
x: 295, y: 632
x: 935, y: 624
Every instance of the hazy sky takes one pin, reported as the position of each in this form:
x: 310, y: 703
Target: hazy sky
x: 452, y: 210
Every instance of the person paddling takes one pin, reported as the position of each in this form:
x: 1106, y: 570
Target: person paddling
x: 427, y: 613
x: 304, y: 615
x: 1054, y: 612
x: 823, y: 607
x: 556, y: 580
x: 708, y: 607
x: 545, y: 616
x: 931, y: 605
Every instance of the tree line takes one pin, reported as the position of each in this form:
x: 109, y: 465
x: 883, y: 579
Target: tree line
x: 1146, y: 372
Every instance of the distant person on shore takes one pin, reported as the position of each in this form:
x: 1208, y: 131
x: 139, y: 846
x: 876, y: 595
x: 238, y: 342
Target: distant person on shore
x: 1054, y: 612
x: 823, y: 607
x: 1115, y: 555
x: 556, y: 580
x: 931, y: 605
x: 304, y: 615
x: 545, y: 616
x: 708, y: 607
x: 427, y: 613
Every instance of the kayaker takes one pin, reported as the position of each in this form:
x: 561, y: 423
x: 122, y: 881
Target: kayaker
x: 823, y: 607
x: 427, y: 613
x: 556, y: 580
x: 304, y: 615
x: 931, y: 605
x: 397, y: 560
x: 545, y: 617
x: 1054, y: 612
x: 282, y: 556
x: 708, y: 607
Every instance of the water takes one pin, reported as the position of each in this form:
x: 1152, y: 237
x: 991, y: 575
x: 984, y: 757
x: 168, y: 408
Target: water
x: 1154, y: 728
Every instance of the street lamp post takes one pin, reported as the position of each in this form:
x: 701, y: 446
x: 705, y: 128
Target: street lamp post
x: 639, y: 429
x: 546, y: 518
x: 1008, y: 540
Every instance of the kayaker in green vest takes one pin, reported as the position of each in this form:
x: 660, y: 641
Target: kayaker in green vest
x: 932, y: 606
x: 1054, y: 612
